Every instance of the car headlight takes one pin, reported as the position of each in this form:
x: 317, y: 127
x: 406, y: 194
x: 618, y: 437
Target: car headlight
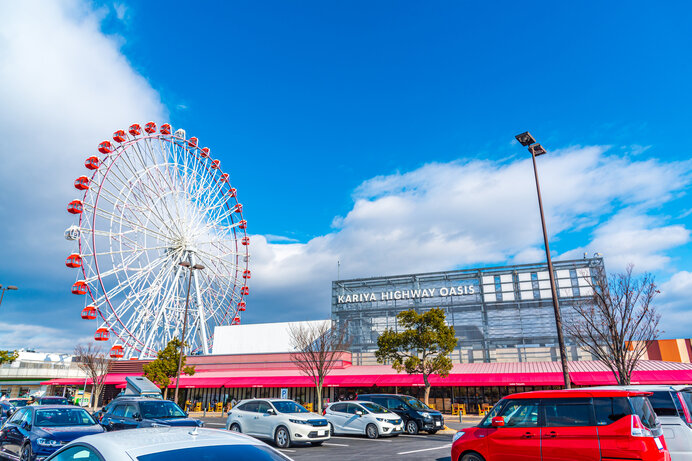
x: 424, y: 414
x: 298, y: 421
x: 457, y: 436
x: 48, y: 443
x: 382, y: 419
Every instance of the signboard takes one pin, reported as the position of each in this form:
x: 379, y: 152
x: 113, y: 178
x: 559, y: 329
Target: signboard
x: 461, y: 290
x: 284, y: 393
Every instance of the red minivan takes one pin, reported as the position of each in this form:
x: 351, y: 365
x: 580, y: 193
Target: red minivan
x: 568, y: 425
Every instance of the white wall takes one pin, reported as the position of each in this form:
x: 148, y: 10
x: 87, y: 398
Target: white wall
x: 258, y: 338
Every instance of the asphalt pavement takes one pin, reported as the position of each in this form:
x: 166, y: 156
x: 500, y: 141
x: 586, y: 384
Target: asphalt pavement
x: 420, y: 447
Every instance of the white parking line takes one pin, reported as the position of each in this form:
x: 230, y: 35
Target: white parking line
x: 411, y: 435
x: 288, y: 451
x: 351, y: 438
x: 425, y: 449
x: 335, y: 444
x: 214, y: 424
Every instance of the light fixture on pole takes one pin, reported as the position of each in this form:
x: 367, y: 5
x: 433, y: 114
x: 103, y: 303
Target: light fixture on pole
x: 182, y: 336
x: 526, y: 140
x: 4, y: 289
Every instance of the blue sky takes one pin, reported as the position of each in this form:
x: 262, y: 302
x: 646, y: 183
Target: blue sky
x: 348, y: 129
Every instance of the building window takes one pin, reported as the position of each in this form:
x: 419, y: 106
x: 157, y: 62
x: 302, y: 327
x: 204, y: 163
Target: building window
x: 498, y: 288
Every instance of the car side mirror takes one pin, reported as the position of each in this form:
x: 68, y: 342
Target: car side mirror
x: 359, y: 413
x: 25, y: 425
x: 498, y: 421
x: 137, y: 417
x: 271, y: 411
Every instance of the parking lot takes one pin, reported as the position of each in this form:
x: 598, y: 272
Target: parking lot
x: 422, y: 446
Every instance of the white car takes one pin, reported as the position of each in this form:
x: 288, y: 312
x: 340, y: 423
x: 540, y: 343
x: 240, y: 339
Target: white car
x: 283, y: 421
x: 167, y: 444
x: 361, y: 417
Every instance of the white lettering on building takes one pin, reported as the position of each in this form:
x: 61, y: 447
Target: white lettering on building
x: 461, y: 290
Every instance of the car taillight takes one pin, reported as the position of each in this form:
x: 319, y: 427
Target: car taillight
x: 638, y: 428
x: 324, y: 412
x: 685, y: 410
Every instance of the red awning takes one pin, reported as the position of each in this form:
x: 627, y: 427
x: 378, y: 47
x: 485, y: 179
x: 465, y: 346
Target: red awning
x: 351, y: 381
x: 195, y: 381
x: 592, y: 378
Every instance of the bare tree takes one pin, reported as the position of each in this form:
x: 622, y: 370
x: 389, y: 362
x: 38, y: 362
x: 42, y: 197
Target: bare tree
x: 619, y: 323
x: 317, y: 350
x: 95, y: 363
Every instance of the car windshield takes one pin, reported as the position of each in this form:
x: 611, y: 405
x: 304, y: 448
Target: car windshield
x: 161, y: 409
x: 18, y: 403
x: 417, y: 404
x: 374, y: 408
x: 54, y: 401
x: 287, y: 406
x: 645, y: 411
x: 61, y: 417
x: 217, y: 453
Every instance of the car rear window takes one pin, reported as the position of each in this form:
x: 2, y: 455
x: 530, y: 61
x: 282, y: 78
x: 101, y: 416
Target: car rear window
x: 663, y: 403
x: 643, y: 409
x: 610, y: 409
x: 687, y: 397
x: 217, y: 453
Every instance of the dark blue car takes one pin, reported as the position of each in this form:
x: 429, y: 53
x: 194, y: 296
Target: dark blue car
x: 134, y: 412
x: 34, y: 432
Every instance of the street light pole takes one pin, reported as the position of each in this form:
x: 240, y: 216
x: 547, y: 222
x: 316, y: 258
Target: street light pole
x: 4, y: 289
x: 182, y: 337
x: 525, y: 139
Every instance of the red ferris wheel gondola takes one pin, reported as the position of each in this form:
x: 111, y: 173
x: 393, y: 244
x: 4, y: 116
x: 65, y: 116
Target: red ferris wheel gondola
x: 192, y: 142
x: 135, y: 129
x: 150, y: 127
x: 117, y: 352
x: 241, y: 306
x: 81, y: 183
x: 74, y: 260
x: 79, y: 288
x: 119, y: 136
x: 166, y: 128
x: 89, y: 312
x: 245, y: 291
x: 205, y: 152
x: 102, y: 334
x: 92, y: 163
x: 106, y: 147
x: 75, y: 207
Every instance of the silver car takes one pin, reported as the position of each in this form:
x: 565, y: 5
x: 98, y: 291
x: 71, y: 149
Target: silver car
x: 281, y: 420
x: 167, y: 444
x: 673, y: 406
x: 362, y: 417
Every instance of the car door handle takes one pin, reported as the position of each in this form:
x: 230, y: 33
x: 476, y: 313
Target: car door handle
x: 550, y: 435
x: 527, y: 435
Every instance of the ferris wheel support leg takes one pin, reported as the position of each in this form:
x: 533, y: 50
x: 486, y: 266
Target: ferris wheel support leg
x: 200, y: 310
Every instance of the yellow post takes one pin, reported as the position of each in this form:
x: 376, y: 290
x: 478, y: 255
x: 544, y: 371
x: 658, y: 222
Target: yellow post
x: 308, y: 406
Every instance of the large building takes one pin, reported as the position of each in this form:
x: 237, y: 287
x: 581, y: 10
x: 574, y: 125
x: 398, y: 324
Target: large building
x: 500, y: 314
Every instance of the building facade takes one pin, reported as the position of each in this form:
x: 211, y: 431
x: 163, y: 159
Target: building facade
x: 500, y: 314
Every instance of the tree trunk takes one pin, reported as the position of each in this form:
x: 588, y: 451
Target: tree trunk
x: 93, y: 395
x: 165, y: 393
x: 319, y: 397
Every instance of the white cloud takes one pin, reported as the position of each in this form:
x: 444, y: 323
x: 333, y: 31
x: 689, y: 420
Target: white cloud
x: 463, y: 214
x: 39, y: 338
x: 675, y: 303
x: 64, y: 87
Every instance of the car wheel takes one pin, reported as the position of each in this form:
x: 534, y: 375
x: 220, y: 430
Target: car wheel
x: 412, y: 427
x: 371, y: 431
x: 331, y: 430
x: 235, y: 428
x: 282, y: 438
x: 472, y: 457
x: 317, y: 444
x: 26, y: 454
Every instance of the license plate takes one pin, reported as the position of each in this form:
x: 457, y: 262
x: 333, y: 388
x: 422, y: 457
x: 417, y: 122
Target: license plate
x: 399, y: 428
x: 321, y: 432
x: 437, y: 423
x: 659, y: 445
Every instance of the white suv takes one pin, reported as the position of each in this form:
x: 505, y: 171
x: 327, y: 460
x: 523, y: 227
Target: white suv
x: 673, y: 407
x: 283, y: 421
x: 357, y: 417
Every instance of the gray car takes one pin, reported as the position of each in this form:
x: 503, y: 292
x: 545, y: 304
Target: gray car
x: 167, y: 444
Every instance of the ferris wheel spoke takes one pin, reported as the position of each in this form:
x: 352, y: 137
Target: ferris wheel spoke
x: 132, y: 225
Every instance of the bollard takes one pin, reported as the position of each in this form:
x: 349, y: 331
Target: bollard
x: 460, y: 417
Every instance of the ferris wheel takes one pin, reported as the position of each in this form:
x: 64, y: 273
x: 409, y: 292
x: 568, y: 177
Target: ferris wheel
x: 160, y: 233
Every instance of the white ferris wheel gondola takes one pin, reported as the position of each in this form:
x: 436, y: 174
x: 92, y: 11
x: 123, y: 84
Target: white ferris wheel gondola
x: 151, y: 201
